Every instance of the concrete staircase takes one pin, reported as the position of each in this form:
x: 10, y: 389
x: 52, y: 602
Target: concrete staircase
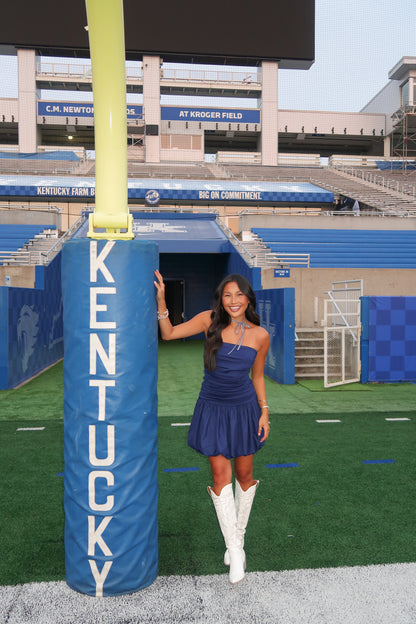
x: 370, y: 195
x: 217, y: 171
x: 309, y: 354
x: 34, y: 252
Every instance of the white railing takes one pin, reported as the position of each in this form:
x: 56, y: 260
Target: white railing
x: 289, y: 260
x: 341, y: 315
x: 194, y: 75
x: 82, y: 71
x: 379, y: 180
x: 356, y: 161
x: 300, y: 160
x: 33, y: 208
x: 238, y: 158
x: 254, y: 158
x: 250, y: 259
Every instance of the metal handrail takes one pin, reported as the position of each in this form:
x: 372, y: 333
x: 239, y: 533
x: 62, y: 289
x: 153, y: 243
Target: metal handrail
x: 47, y: 256
x: 237, y: 243
x: 378, y: 180
x: 291, y: 259
x: 83, y: 71
x: 37, y: 208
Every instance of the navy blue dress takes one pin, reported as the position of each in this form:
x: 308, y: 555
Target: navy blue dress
x: 226, y: 415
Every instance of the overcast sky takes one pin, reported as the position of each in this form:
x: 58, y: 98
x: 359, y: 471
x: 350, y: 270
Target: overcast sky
x: 357, y: 42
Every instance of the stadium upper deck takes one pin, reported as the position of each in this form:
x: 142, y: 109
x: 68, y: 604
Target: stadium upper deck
x: 186, y: 133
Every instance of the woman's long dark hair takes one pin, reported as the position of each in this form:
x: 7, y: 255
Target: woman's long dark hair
x: 220, y: 318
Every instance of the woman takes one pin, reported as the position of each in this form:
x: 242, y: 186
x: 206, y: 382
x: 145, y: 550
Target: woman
x: 231, y: 417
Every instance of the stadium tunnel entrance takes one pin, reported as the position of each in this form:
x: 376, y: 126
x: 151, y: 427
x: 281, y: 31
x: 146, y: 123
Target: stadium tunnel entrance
x: 194, y: 256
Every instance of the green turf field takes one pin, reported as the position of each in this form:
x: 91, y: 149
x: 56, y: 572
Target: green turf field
x: 329, y: 510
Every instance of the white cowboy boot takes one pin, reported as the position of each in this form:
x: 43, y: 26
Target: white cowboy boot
x: 243, y: 503
x: 225, y: 509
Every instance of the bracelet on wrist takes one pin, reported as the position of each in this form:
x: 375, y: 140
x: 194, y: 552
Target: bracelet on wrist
x: 162, y: 315
x: 264, y: 407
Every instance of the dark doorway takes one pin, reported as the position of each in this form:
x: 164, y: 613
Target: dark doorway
x: 174, y: 292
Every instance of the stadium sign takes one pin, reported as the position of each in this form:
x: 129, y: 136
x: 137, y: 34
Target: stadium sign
x: 80, y: 109
x: 215, y: 115
x: 168, y: 190
x: 168, y: 113
x: 101, y: 468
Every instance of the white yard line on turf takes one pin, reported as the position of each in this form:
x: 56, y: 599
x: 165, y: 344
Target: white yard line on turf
x: 393, y: 419
x: 30, y: 429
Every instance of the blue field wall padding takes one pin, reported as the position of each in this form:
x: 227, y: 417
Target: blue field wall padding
x: 365, y: 313
x: 110, y: 415
x: 4, y: 338
x: 276, y: 308
x: 31, y: 335
x: 391, y: 339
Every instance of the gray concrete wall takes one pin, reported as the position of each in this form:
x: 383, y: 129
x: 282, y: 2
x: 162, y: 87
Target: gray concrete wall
x: 311, y: 283
x: 20, y: 276
x: 27, y: 217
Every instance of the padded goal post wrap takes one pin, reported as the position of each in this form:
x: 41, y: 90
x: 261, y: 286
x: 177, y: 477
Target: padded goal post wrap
x: 110, y: 415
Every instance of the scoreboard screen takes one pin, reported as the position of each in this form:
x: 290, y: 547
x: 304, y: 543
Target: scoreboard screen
x: 216, y: 31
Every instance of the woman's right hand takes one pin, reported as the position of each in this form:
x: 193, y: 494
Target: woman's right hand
x: 160, y: 288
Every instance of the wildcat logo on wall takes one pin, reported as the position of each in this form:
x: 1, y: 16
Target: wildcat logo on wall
x: 55, y: 334
x: 27, y: 331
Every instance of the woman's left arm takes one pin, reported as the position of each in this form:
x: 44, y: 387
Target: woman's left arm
x: 257, y: 376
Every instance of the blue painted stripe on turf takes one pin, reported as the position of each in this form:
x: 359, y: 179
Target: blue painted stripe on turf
x: 180, y: 469
x: 292, y: 465
x: 379, y: 461
x: 60, y: 474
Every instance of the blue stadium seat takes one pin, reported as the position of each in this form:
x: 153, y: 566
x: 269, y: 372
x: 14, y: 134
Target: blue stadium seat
x: 345, y: 248
x: 13, y: 237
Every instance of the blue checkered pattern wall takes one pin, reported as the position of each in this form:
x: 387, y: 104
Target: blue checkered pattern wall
x: 391, y: 339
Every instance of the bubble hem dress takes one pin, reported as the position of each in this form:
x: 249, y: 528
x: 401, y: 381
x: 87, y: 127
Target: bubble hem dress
x: 226, y: 415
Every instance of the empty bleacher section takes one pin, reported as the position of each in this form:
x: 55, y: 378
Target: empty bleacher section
x: 24, y: 243
x: 188, y: 171
x: 372, y: 194
x: 344, y: 248
x: 198, y: 171
x: 47, y: 162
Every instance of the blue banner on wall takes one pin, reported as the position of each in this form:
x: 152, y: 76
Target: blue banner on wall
x: 168, y: 113
x: 80, y: 109
x: 221, y: 192
x: 215, y: 115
